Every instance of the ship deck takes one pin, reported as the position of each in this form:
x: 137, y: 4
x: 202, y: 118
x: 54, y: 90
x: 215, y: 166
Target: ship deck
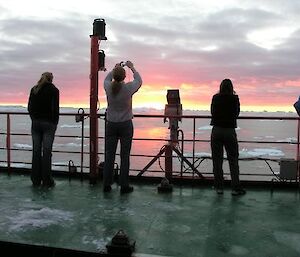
x: 190, y: 221
x: 76, y: 218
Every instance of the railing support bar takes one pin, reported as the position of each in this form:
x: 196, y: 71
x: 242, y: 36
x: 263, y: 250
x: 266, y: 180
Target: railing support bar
x: 8, y: 152
x: 298, y: 146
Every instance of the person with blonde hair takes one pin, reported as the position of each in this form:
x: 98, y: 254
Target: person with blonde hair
x: 43, y: 108
x: 118, y: 125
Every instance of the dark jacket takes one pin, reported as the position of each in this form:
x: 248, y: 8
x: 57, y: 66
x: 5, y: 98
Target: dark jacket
x: 224, y: 110
x: 45, y: 104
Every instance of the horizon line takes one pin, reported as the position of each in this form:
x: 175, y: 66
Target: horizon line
x: 162, y: 109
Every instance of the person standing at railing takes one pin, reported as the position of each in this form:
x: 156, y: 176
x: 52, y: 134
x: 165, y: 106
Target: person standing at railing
x: 225, y: 109
x: 297, y: 106
x: 43, y: 108
x: 118, y: 125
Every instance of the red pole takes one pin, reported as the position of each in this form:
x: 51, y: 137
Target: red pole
x: 93, y: 109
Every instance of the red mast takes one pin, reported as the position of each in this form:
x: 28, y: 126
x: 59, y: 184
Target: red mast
x: 97, y: 63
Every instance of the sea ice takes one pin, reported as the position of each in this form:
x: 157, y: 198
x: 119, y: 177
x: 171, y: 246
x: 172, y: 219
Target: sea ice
x: 41, y: 218
x: 257, y: 152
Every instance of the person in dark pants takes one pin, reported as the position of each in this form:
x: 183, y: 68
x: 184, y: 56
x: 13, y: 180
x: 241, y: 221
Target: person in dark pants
x: 43, y: 108
x: 119, y: 124
x: 225, y: 109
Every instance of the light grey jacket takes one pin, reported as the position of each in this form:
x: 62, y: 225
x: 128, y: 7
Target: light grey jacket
x: 119, y: 107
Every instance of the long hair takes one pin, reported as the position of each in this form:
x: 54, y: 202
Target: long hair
x: 46, y: 77
x: 119, y: 74
x: 226, y: 87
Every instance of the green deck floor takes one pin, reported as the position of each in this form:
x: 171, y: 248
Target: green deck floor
x: 189, y: 222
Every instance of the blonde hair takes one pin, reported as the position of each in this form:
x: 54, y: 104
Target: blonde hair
x: 119, y: 74
x: 46, y: 77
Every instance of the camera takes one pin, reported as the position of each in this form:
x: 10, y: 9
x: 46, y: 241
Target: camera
x: 122, y: 64
x: 173, y: 108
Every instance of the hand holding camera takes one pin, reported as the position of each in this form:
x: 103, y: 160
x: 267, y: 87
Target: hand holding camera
x: 129, y: 64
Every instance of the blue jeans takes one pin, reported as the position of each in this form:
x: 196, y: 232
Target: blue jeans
x: 225, y: 138
x: 114, y: 132
x: 43, y: 133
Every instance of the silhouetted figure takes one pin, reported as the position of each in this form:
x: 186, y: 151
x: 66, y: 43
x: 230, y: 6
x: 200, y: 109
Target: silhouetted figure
x: 119, y: 124
x: 225, y: 109
x: 297, y: 106
x: 43, y: 107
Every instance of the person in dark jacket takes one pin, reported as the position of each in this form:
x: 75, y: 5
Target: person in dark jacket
x: 225, y: 109
x: 43, y: 108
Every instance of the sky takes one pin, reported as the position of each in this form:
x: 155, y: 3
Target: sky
x: 174, y: 44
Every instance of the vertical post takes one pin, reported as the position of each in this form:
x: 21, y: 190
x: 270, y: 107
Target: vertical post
x: 82, y: 142
x: 194, y: 138
x: 298, y: 146
x: 8, y: 142
x: 182, y: 151
x: 169, y: 161
x: 93, y: 109
x: 97, y: 62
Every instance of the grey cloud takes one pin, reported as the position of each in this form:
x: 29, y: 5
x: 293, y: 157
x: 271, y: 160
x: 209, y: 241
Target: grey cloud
x: 167, y: 50
x: 33, y: 46
x: 226, y: 29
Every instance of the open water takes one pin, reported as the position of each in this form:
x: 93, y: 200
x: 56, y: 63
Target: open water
x: 260, y: 138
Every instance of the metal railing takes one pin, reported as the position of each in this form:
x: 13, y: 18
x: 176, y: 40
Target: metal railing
x: 192, y: 141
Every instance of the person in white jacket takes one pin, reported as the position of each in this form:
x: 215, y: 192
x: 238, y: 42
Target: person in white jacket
x: 118, y: 125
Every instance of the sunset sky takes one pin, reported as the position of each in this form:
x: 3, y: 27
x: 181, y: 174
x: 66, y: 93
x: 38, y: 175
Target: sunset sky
x: 174, y: 44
